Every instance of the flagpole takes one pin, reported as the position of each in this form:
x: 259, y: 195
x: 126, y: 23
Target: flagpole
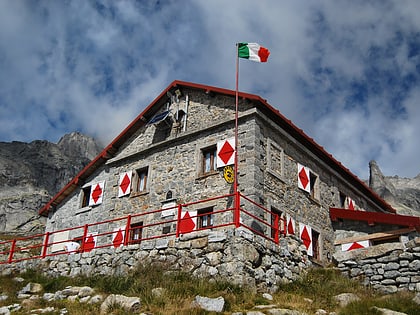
x: 235, y: 182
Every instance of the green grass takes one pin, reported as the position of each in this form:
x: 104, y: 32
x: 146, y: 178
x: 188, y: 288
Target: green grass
x: 178, y: 290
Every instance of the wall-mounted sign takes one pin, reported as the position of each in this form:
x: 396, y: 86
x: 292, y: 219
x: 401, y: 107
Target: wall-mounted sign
x: 228, y: 174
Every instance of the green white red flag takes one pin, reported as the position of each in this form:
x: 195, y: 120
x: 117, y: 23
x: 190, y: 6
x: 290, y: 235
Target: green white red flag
x: 253, y: 51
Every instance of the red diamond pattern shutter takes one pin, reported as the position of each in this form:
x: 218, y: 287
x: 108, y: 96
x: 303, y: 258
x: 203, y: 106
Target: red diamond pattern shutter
x: 355, y: 245
x: 306, y: 237
x: 118, y: 236
x: 225, y: 152
x: 188, y: 221
x: 124, y: 184
x: 90, y: 242
x: 290, y: 225
x: 304, y: 181
x: 350, y: 204
x: 96, y: 193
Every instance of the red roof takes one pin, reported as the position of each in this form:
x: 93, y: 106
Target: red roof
x: 262, y: 104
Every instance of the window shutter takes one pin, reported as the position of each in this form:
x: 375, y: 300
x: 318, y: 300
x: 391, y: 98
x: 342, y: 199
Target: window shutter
x: 355, y: 245
x: 291, y: 226
x: 304, y: 179
x: 90, y: 242
x: 350, y: 204
x: 225, y: 152
x: 305, y: 233
x: 118, y: 236
x: 124, y: 184
x: 96, y: 193
x: 188, y: 221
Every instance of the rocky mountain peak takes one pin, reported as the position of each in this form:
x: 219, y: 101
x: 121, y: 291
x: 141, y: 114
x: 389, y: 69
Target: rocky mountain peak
x: 76, y: 144
x: 400, y: 192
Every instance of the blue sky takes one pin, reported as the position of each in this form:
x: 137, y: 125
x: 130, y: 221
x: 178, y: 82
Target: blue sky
x: 346, y: 72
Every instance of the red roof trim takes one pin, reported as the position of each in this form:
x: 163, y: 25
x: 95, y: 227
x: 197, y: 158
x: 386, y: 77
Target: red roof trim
x: 140, y: 120
x: 375, y: 217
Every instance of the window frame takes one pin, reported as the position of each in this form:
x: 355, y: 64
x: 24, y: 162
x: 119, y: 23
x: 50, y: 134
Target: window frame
x: 141, y: 175
x: 85, y: 198
x: 212, y: 151
x: 136, y: 232
x: 205, y: 214
x: 314, y: 186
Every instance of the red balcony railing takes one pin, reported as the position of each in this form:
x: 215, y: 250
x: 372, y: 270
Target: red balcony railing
x: 146, y: 226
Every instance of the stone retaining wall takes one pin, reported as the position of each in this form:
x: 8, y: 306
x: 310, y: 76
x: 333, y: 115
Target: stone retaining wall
x: 387, y: 267
x: 236, y: 255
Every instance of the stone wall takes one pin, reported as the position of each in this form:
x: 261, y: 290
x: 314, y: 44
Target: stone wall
x: 389, y: 267
x: 237, y: 255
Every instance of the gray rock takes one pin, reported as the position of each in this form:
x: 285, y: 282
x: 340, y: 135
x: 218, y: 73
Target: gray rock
x: 345, y: 298
x: 129, y: 304
x: 209, y: 304
x: 386, y: 311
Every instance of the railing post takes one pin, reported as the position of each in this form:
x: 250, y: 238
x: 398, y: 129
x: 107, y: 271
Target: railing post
x: 178, y: 221
x: 127, y: 230
x: 85, y: 230
x: 45, y: 248
x: 276, y: 228
x: 237, y: 213
x: 12, y: 250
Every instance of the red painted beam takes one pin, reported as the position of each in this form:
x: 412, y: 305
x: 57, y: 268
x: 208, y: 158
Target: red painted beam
x: 375, y: 217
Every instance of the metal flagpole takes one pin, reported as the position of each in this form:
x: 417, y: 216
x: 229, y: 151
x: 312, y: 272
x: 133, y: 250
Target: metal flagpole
x: 235, y: 183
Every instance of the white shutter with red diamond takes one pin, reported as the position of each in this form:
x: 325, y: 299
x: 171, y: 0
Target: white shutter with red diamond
x: 90, y: 242
x: 118, y: 236
x: 355, y: 245
x: 304, y: 181
x: 225, y: 152
x: 350, y: 204
x: 291, y: 226
x: 188, y: 221
x: 305, y: 233
x: 124, y: 184
x: 96, y: 193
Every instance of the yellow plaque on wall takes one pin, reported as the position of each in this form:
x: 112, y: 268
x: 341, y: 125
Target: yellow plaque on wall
x: 228, y: 174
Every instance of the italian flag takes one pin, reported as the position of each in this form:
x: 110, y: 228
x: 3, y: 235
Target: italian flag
x: 253, y: 51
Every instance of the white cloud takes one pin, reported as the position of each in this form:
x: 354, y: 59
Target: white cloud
x: 345, y: 72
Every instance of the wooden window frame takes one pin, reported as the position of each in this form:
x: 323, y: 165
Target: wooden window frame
x: 136, y: 232
x: 208, y: 158
x: 205, y: 218
x: 85, y: 196
x: 141, y: 175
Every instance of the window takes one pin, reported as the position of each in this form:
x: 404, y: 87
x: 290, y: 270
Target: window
x: 140, y: 180
x: 85, y: 196
x: 276, y: 228
x: 314, y: 186
x: 275, y: 159
x: 136, y: 230
x: 209, y: 160
x: 205, y: 217
x: 342, y: 200
x: 315, y: 245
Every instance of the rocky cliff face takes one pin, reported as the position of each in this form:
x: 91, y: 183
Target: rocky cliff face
x: 31, y: 173
x: 401, y: 193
